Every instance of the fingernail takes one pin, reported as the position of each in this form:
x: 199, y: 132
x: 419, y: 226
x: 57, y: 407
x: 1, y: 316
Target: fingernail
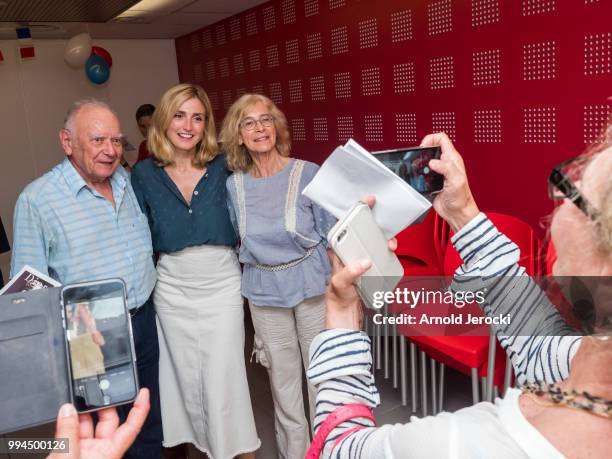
x: 67, y: 410
x: 365, y: 263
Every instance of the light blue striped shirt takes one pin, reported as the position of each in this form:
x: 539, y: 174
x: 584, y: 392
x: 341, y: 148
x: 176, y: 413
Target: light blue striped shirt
x: 65, y: 229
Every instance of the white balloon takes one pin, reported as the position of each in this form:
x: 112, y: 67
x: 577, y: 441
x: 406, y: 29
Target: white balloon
x: 78, y: 50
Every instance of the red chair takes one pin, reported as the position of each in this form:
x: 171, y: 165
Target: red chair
x: 470, y: 354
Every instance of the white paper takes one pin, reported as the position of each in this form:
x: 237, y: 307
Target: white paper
x: 27, y: 279
x: 351, y: 173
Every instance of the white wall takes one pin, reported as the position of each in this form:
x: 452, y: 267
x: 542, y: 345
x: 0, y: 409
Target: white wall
x: 35, y: 94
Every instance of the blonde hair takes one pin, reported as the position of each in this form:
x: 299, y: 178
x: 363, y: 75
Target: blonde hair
x: 237, y: 155
x: 158, y: 143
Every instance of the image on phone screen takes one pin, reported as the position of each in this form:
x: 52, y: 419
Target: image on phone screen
x: 99, y: 341
x: 412, y: 165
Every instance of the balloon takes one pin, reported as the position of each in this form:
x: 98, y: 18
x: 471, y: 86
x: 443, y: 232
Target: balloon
x: 78, y: 50
x: 104, y: 54
x: 96, y: 69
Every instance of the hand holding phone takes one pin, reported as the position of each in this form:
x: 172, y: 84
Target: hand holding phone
x: 357, y: 236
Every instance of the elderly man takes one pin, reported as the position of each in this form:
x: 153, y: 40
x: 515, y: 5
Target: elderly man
x: 81, y: 222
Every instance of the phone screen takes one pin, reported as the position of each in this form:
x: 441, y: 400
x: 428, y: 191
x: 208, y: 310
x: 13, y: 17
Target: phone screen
x: 412, y: 165
x: 100, y: 348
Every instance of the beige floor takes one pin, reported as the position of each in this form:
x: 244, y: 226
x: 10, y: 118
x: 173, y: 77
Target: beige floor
x: 457, y: 395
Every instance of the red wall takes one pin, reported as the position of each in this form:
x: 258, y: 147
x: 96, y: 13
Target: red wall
x: 519, y: 85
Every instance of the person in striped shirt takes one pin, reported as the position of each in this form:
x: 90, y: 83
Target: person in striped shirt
x: 524, y: 425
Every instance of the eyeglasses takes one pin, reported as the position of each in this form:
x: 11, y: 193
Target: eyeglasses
x: 561, y: 184
x: 249, y: 123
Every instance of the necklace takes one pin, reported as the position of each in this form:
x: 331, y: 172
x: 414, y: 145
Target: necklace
x: 578, y: 400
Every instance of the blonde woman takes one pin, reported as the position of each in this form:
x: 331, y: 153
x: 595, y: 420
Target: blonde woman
x: 181, y: 189
x: 283, y: 248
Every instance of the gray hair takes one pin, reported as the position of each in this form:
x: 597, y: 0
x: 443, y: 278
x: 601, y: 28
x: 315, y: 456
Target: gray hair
x: 78, y: 105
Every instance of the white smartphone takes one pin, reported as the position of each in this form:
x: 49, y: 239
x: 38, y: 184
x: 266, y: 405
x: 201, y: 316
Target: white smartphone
x: 357, y: 236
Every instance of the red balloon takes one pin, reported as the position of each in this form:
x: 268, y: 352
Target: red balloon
x: 98, y: 51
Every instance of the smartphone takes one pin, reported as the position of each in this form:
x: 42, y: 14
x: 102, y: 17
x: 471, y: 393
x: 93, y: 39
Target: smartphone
x: 357, y: 236
x: 99, y: 344
x: 412, y: 165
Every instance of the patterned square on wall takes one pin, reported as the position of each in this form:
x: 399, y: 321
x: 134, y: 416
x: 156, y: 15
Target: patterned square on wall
x: 292, y: 52
x: 254, y: 60
x: 406, y: 127
x: 257, y: 89
x: 440, y: 17
x: 317, y: 88
x: 368, y: 33
x: 295, y: 91
x: 401, y: 26
x: 370, y: 81
x: 487, y: 126
x: 404, y: 77
x: 486, y: 67
x: 288, y: 11
x: 540, y: 61
x: 272, y: 56
x: 596, y: 118
x: 276, y: 93
x: 213, y: 96
x: 598, y: 54
x: 298, y: 129
x: 220, y: 34
x: 540, y: 125
x: 251, y: 23
x: 319, y: 126
x: 485, y: 12
x: 240, y: 92
x: 238, y: 64
x: 442, y: 72
x: 533, y: 7
x: 224, y: 67
x: 196, y: 43
x: 333, y: 4
x: 314, y: 48
x: 207, y: 40
x: 373, y: 128
x: 235, y: 29
x: 269, y: 17
x: 226, y: 95
x: 311, y: 8
x: 342, y: 85
x: 345, y: 128
x: 444, y: 122
x: 211, y: 74
x: 339, y: 38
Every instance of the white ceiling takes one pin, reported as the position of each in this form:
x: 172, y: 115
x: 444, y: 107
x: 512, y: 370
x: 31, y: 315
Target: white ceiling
x: 146, y: 19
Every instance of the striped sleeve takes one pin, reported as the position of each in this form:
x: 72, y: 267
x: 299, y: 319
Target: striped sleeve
x: 30, y: 243
x: 538, y: 341
x: 341, y: 369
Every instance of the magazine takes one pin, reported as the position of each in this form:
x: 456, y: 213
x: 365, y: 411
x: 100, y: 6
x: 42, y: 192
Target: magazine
x: 27, y: 279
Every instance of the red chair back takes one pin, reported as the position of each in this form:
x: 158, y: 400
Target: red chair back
x: 420, y: 247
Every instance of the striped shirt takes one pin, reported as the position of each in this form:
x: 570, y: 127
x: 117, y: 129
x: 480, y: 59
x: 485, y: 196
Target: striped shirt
x: 69, y: 231
x: 340, y: 367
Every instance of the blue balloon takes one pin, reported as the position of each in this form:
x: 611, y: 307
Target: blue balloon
x: 97, y: 70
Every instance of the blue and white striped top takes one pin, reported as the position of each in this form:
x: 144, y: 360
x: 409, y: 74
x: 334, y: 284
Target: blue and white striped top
x: 65, y: 229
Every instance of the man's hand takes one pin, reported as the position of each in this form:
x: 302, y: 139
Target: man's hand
x: 455, y: 203
x: 110, y: 440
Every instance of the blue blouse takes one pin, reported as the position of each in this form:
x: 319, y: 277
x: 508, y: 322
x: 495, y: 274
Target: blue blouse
x: 269, y: 242
x: 176, y: 224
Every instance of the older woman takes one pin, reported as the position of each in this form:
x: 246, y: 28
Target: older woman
x: 283, y: 248
x: 203, y: 388
x: 567, y: 419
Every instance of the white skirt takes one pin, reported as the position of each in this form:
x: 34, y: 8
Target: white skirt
x: 202, y: 377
